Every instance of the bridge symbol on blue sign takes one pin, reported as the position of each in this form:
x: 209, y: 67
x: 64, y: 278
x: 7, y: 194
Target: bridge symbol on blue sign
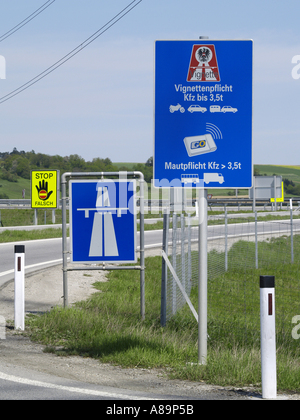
x: 103, y: 224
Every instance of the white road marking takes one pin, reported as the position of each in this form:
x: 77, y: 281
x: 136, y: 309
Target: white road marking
x: 4, y: 273
x: 103, y: 394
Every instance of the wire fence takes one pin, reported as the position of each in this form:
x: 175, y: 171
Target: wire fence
x: 240, y: 249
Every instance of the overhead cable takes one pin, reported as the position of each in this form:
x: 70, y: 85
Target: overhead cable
x: 72, y: 53
x: 27, y: 20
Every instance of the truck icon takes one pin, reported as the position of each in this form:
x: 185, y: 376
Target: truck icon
x: 213, y: 177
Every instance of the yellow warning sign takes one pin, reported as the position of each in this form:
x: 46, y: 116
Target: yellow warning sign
x: 44, y: 189
x: 281, y: 199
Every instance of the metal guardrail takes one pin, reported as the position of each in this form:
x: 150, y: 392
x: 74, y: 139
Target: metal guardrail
x: 20, y: 202
x: 14, y: 203
x: 225, y: 202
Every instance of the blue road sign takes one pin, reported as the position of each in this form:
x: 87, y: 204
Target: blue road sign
x: 203, y: 114
x: 103, y: 221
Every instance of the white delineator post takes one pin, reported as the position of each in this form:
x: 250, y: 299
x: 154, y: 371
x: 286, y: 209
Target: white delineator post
x: 19, y: 287
x: 268, y: 337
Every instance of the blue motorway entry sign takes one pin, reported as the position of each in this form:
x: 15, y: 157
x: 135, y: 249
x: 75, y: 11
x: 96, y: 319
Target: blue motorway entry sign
x: 203, y: 114
x: 103, y: 221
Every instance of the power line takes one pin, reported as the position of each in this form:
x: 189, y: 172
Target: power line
x: 72, y: 53
x: 27, y: 20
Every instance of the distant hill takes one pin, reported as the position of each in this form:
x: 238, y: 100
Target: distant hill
x: 285, y: 171
x: 13, y: 190
x: 16, y: 167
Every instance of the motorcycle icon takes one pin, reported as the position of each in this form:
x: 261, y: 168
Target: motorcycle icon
x: 177, y: 107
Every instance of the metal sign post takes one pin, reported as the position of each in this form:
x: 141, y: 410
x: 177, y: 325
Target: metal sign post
x: 266, y: 187
x: 203, y: 128
x: 102, y: 224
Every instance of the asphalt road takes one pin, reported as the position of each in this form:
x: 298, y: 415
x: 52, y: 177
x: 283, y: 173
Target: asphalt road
x: 38, y: 254
x: 45, y: 252
x: 17, y: 383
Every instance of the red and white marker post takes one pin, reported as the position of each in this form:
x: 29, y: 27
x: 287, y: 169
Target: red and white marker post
x: 268, y: 337
x: 19, y: 287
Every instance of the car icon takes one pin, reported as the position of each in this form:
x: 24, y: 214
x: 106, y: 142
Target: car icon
x: 228, y: 109
x: 196, y: 108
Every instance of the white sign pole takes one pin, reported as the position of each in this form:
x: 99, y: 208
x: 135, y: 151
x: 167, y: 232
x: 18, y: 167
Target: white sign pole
x: 268, y: 337
x: 202, y: 281
x: 19, y: 287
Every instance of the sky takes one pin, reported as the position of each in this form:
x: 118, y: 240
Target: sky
x: 100, y: 103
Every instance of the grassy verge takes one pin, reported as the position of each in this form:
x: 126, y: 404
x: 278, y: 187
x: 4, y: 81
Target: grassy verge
x: 108, y: 326
x: 29, y: 235
x: 22, y: 219
x: 25, y: 217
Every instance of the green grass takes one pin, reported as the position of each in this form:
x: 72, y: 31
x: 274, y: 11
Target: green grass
x: 290, y: 172
x: 25, y: 217
x: 14, y: 189
x: 223, y: 192
x: 108, y: 325
x: 25, y: 235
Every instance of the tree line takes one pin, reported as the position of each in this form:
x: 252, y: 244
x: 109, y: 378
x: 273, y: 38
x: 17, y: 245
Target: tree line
x: 20, y: 164
x: 291, y: 188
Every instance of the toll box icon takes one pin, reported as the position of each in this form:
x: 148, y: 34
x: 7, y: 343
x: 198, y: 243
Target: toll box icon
x: 198, y: 145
